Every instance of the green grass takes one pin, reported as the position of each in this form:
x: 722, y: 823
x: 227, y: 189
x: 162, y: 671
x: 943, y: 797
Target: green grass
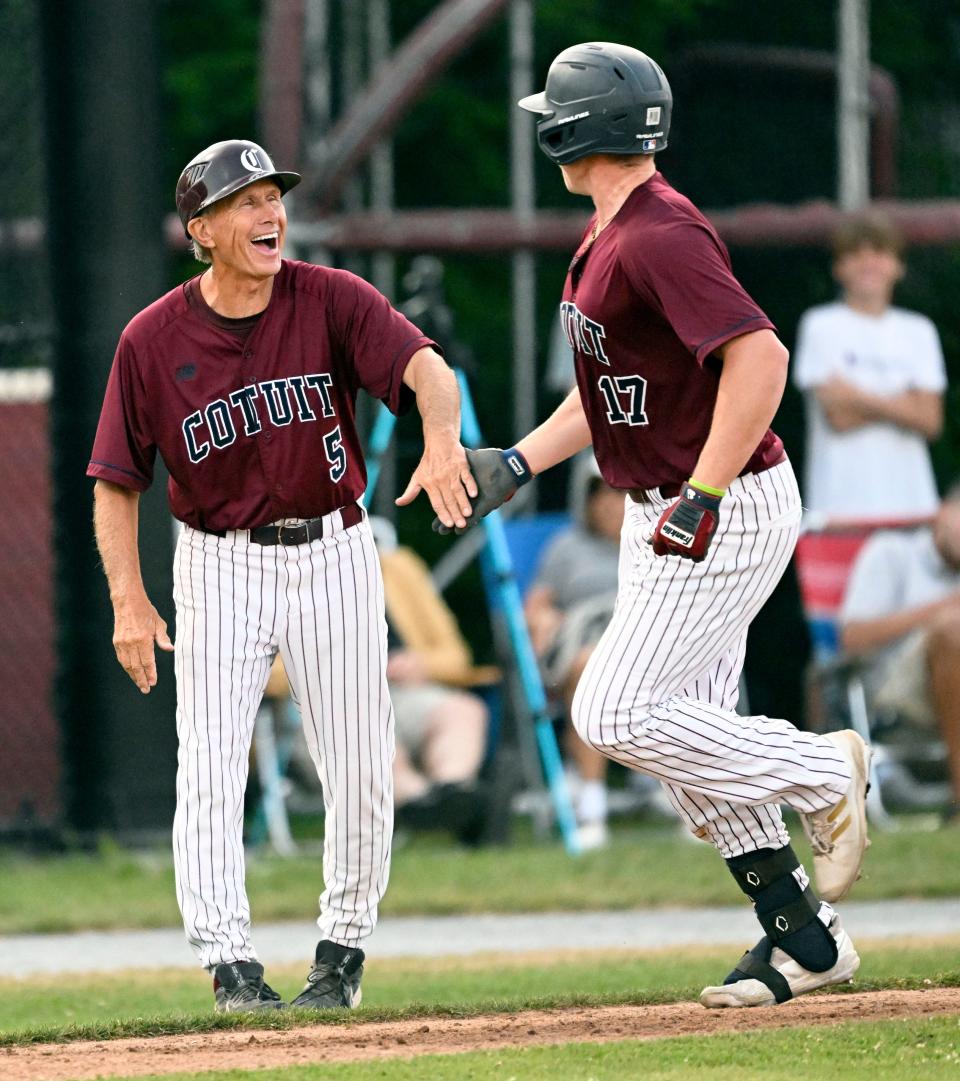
x: 152, y: 1003
x: 927, y: 1048
x: 642, y: 867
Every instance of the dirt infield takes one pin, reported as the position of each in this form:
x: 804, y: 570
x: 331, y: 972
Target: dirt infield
x: 407, y: 1039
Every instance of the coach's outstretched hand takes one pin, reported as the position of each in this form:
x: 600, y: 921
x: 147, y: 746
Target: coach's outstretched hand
x: 498, y: 474
x: 686, y: 527
x: 443, y: 473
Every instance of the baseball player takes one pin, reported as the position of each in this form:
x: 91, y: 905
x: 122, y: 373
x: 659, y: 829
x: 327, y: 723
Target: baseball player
x: 244, y: 379
x: 678, y: 376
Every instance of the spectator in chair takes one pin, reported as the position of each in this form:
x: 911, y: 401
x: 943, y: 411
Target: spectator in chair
x: 873, y: 377
x: 901, y: 612
x: 441, y: 727
x: 568, y: 608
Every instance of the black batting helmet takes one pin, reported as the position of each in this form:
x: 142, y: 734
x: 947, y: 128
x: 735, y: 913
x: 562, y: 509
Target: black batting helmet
x: 602, y: 98
x: 222, y: 169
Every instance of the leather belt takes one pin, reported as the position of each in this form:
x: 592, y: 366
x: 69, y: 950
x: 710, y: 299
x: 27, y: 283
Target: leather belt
x: 665, y: 491
x: 671, y: 491
x: 301, y: 533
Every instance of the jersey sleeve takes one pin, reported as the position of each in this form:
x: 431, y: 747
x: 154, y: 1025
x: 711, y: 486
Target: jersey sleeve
x: 123, y: 451
x: 930, y: 371
x: 682, y: 270
x: 378, y: 341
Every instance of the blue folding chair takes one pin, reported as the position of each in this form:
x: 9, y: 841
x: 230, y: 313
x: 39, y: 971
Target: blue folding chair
x: 527, y: 538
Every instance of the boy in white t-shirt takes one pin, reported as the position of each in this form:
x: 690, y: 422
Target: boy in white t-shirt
x: 873, y: 377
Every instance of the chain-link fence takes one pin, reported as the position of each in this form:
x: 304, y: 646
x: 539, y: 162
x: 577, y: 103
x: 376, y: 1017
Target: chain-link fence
x: 24, y: 292
x: 29, y: 738
x: 29, y: 751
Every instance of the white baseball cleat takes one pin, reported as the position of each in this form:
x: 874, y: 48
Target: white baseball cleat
x: 838, y: 834
x: 783, y: 978
x: 593, y: 835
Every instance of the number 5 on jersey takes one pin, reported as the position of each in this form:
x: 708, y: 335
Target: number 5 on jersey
x: 336, y: 455
x: 625, y: 396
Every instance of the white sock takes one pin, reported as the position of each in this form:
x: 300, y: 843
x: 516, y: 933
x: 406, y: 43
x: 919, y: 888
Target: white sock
x: 592, y: 802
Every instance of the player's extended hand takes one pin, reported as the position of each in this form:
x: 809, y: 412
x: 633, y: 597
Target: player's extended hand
x: 137, y: 625
x: 444, y: 475
x: 498, y: 474
x: 687, y: 526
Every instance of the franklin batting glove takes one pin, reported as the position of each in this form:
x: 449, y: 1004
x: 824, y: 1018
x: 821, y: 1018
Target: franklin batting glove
x: 498, y: 473
x: 686, y: 527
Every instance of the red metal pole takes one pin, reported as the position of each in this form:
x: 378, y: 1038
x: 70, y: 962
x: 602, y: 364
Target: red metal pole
x: 398, y: 83
x: 281, y: 70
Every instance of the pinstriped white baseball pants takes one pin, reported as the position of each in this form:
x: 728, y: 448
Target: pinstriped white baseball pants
x: 660, y: 690
x: 321, y: 606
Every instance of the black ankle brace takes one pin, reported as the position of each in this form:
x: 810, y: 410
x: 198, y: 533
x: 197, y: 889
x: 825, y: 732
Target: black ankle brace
x: 788, y: 914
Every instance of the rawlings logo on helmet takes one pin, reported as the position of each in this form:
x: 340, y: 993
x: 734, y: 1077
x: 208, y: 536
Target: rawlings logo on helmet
x: 193, y: 173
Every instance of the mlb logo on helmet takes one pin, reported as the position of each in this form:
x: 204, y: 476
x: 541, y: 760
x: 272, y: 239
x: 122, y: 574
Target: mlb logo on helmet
x: 648, y: 144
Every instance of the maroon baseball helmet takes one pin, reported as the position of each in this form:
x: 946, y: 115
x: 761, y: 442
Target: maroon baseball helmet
x: 222, y: 169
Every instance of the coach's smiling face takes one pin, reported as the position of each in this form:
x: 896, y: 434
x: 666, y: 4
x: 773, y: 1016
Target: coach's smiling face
x: 245, y: 231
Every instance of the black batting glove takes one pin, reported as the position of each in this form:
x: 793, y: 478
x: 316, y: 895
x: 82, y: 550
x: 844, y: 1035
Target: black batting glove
x: 498, y: 473
x: 686, y: 527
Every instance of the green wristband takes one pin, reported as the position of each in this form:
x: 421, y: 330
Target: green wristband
x: 718, y: 492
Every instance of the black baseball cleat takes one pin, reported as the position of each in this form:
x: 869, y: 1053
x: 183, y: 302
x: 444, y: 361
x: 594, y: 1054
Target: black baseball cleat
x: 461, y: 807
x: 238, y: 987
x: 334, y: 980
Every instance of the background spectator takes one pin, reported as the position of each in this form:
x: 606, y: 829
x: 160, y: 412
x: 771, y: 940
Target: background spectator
x: 441, y: 728
x: 902, y: 613
x: 874, y: 378
x: 568, y: 607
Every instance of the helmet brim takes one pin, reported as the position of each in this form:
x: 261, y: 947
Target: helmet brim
x: 285, y: 181
x: 537, y: 103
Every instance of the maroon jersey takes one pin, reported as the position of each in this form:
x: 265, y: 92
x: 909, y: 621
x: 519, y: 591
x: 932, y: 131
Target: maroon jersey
x: 254, y: 419
x: 644, y: 308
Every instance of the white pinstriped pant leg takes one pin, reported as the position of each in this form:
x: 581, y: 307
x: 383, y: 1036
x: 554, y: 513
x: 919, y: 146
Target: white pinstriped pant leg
x: 229, y: 609
x: 660, y: 690
x: 335, y: 653
x: 719, y: 820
